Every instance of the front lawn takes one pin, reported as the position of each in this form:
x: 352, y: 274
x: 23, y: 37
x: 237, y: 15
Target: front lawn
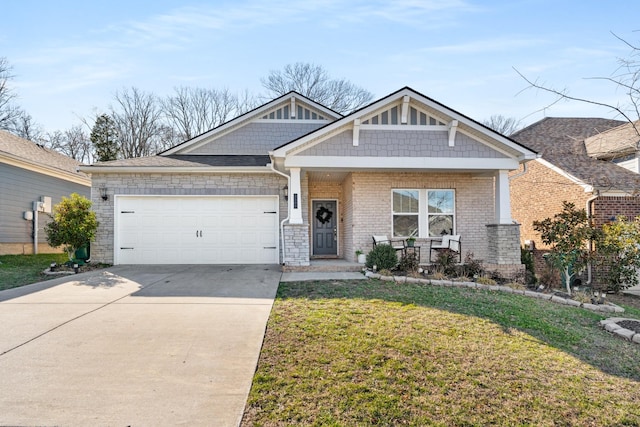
x: 379, y: 353
x: 20, y: 270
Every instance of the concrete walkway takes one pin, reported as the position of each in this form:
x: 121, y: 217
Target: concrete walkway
x: 144, y: 345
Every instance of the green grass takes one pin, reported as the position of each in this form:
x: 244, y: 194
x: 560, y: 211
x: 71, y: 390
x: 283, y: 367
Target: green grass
x: 377, y: 353
x: 20, y: 270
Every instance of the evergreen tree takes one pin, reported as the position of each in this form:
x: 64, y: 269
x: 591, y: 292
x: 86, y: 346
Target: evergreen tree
x: 104, y: 138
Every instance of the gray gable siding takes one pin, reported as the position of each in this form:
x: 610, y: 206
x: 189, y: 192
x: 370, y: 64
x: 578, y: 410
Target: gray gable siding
x: 19, y: 188
x: 257, y: 138
x: 388, y: 143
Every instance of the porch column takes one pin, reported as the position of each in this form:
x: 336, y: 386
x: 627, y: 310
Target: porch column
x: 503, y: 201
x: 295, y: 199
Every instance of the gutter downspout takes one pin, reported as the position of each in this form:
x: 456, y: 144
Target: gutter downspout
x: 588, y: 206
x: 519, y: 174
x: 273, y: 168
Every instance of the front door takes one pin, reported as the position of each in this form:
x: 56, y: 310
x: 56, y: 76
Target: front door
x: 325, y: 229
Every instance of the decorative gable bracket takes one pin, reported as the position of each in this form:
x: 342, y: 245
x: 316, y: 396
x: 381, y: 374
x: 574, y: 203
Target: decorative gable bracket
x: 356, y: 132
x: 453, y: 128
x: 405, y: 110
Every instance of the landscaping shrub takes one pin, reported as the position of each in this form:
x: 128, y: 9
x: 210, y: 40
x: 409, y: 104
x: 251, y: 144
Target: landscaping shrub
x: 471, y: 266
x: 446, y: 262
x: 73, y: 224
x: 526, y: 258
x: 409, y: 263
x: 383, y: 257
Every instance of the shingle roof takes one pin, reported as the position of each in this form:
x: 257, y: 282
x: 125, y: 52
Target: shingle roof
x: 191, y: 161
x: 560, y: 141
x: 614, y: 143
x: 33, y: 153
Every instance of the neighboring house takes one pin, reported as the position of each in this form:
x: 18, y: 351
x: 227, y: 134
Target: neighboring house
x: 29, y: 171
x: 575, y: 166
x: 292, y: 181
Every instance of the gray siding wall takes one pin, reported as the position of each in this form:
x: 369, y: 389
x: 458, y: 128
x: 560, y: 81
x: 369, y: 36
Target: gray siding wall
x: 257, y: 138
x: 19, y: 188
x: 406, y: 143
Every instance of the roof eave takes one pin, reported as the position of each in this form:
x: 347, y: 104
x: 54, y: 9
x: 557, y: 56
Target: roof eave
x: 173, y: 169
x: 16, y: 161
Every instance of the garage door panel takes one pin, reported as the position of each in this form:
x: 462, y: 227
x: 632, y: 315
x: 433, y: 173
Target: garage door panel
x: 196, y: 230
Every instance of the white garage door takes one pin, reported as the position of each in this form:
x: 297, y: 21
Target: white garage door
x: 196, y: 230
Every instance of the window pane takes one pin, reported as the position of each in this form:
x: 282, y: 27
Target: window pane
x: 440, y: 225
x: 441, y: 201
x: 405, y: 225
x: 405, y: 201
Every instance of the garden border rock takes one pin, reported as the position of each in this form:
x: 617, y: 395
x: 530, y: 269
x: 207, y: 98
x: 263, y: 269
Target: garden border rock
x: 611, y: 325
x: 600, y: 308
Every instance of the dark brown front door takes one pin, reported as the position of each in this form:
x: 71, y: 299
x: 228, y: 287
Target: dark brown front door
x: 325, y: 231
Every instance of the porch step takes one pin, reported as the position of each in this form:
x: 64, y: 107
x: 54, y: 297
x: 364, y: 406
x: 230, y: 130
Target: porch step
x: 326, y: 265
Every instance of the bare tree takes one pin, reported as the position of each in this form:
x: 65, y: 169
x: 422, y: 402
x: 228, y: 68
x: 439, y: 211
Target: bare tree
x: 9, y: 112
x: 501, y: 124
x: 193, y: 111
x: 314, y: 82
x: 25, y: 127
x: 73, y: 142
x: 625, y: 78
x: 137, y: 118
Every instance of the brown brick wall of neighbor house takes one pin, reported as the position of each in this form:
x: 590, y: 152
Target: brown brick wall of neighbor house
x: 538, y: 194
x: 606, y: 208
x: 550, y: 189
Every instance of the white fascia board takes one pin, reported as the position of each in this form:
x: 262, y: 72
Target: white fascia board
x: 170, y: 170
x: 44, y: 169
x: 615, y: 193
x: 408, y: 163
x: 587, y: 188
x: 525, y: 154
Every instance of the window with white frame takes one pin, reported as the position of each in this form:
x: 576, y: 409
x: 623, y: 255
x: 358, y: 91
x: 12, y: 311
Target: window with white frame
x: 423, y: 213
x: 440, y: 212
x: 406, y: 215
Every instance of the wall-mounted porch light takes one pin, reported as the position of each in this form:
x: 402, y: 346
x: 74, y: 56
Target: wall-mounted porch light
x: 103, y: 193
x: 285, y: 190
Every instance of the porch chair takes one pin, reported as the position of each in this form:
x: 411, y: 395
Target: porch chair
x: 398, y: 245
x: 451, y: 242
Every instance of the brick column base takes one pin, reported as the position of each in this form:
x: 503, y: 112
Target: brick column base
x: 296, y: 245
x: 504, y: 249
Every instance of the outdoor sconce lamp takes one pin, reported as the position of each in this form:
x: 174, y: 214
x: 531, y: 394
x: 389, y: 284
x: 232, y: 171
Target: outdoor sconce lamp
x: 285, y: 190
x: 103, y: 193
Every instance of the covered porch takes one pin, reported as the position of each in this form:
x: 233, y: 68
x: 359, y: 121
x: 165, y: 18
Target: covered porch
x: 338, y: 211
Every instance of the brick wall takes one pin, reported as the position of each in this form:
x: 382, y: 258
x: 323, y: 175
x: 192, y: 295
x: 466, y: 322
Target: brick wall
x: 174, y: 184
x: 296, y: 242
x: 538, y: 194
x: 371, y: 206
x: 606, y: 208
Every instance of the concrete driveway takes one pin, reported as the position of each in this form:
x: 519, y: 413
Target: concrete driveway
x: 134, y: 345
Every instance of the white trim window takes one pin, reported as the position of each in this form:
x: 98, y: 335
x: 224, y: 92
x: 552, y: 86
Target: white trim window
x: 406, y: 213
x: 441, y: 212
x: 423, y: 213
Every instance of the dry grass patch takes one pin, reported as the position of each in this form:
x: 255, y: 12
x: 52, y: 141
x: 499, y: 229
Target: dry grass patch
x: 376, y: 353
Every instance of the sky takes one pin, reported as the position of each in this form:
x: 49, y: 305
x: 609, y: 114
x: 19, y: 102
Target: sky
x: 70, y: 57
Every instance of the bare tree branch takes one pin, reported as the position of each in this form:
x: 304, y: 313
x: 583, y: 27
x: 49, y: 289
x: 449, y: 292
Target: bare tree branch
x: 314, y: 82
